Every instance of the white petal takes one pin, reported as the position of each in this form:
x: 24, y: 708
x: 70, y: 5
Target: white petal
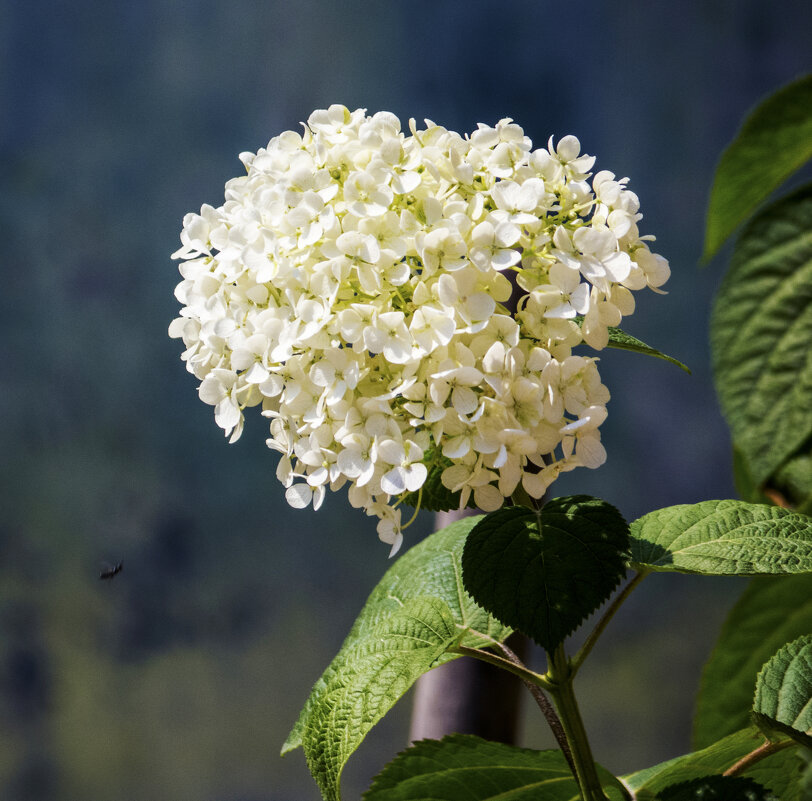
x: 211, y: 391
x: 618, y: 266
x: 318, y: 497
x: 394, y: 482
x: 416, y: 476
x: 227, y: 414
x: 391, y: 451
x: 590, y: 451
x: 488, y: 498
x: 299, y: 496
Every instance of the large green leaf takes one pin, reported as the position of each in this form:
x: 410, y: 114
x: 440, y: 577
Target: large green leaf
x: 775, y: 140
x: 431, y: 569
x: 717, y: 788
x: 465, y: 768
x: 723, y: 538
x: 647, y: 784
x: 761, y: 338
x: 544, y: 571
x: 772, y: 611
x: 784, y: 691
x: 377, y: 671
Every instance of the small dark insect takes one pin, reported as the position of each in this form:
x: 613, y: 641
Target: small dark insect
x: 111, y: 572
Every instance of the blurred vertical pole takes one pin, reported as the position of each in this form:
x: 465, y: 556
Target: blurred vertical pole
x: 467, y: 696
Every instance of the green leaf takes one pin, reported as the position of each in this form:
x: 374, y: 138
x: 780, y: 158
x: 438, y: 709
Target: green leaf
x: 775, y: 140
x: 376, y: 673
x: 784, y: 774
x: 784, y: 691
x: 772, y: 611
x: 793, y: 480
x: 647, y: 784
x: 717, y: 788
x: 622, y: 341
x: 723, y: 538
x: 544, y: 571
x: 435, y: 496
x: 761, y: 330
x: 743, y: 481
x: 430, y: 569
x: 466, y: 768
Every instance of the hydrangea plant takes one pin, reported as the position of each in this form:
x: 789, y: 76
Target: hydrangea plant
x: 404, y: 307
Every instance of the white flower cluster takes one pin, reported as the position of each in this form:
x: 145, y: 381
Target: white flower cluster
x: 398, y: 302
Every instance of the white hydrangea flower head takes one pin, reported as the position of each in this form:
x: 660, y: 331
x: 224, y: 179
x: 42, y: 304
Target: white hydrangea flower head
x: 356, y: 284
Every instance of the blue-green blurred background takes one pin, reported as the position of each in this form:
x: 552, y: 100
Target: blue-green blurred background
x: 180, y: 678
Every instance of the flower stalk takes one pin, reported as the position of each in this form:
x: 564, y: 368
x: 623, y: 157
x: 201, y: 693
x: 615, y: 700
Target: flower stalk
x: 617, y: 602
x: 560, y: 677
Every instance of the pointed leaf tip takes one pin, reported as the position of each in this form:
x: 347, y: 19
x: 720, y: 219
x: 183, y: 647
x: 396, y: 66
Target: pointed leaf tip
x: 620, y: 340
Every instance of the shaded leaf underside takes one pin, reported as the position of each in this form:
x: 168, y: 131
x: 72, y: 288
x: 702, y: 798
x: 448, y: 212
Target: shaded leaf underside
x: 780, y: 772
x: 466, y: 768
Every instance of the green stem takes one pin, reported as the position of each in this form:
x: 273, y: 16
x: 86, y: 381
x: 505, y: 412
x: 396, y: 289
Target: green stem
x: 547, y: 709
x: 524, y: 673
x: 532, y: 680
x: 590, y: 641
x: 560, y: 675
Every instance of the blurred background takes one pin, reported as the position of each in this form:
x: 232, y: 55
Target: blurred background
x: 180, y: 678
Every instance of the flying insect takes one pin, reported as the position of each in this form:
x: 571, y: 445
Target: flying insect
x: 111, y: 572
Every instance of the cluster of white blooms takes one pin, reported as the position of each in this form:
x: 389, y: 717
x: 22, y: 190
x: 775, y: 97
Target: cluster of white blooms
x: 399, y: 302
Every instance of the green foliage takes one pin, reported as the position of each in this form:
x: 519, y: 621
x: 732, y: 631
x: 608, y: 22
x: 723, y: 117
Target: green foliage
x: 382, y: 656
x: 376, y: 672
x: 466, y: 768
x: 775, y: 140
x: 717, y: 788
x: 784, y: 774
x: 794, y: 479
x: 622, y: 341
x: 761, y: 329
x: 544, y: 571
x: 723, y: 538
x: 745, y: 486
x: 783, y: 699
x: 619, y: 339
x: 772, y: 611
x: 716, y: 759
